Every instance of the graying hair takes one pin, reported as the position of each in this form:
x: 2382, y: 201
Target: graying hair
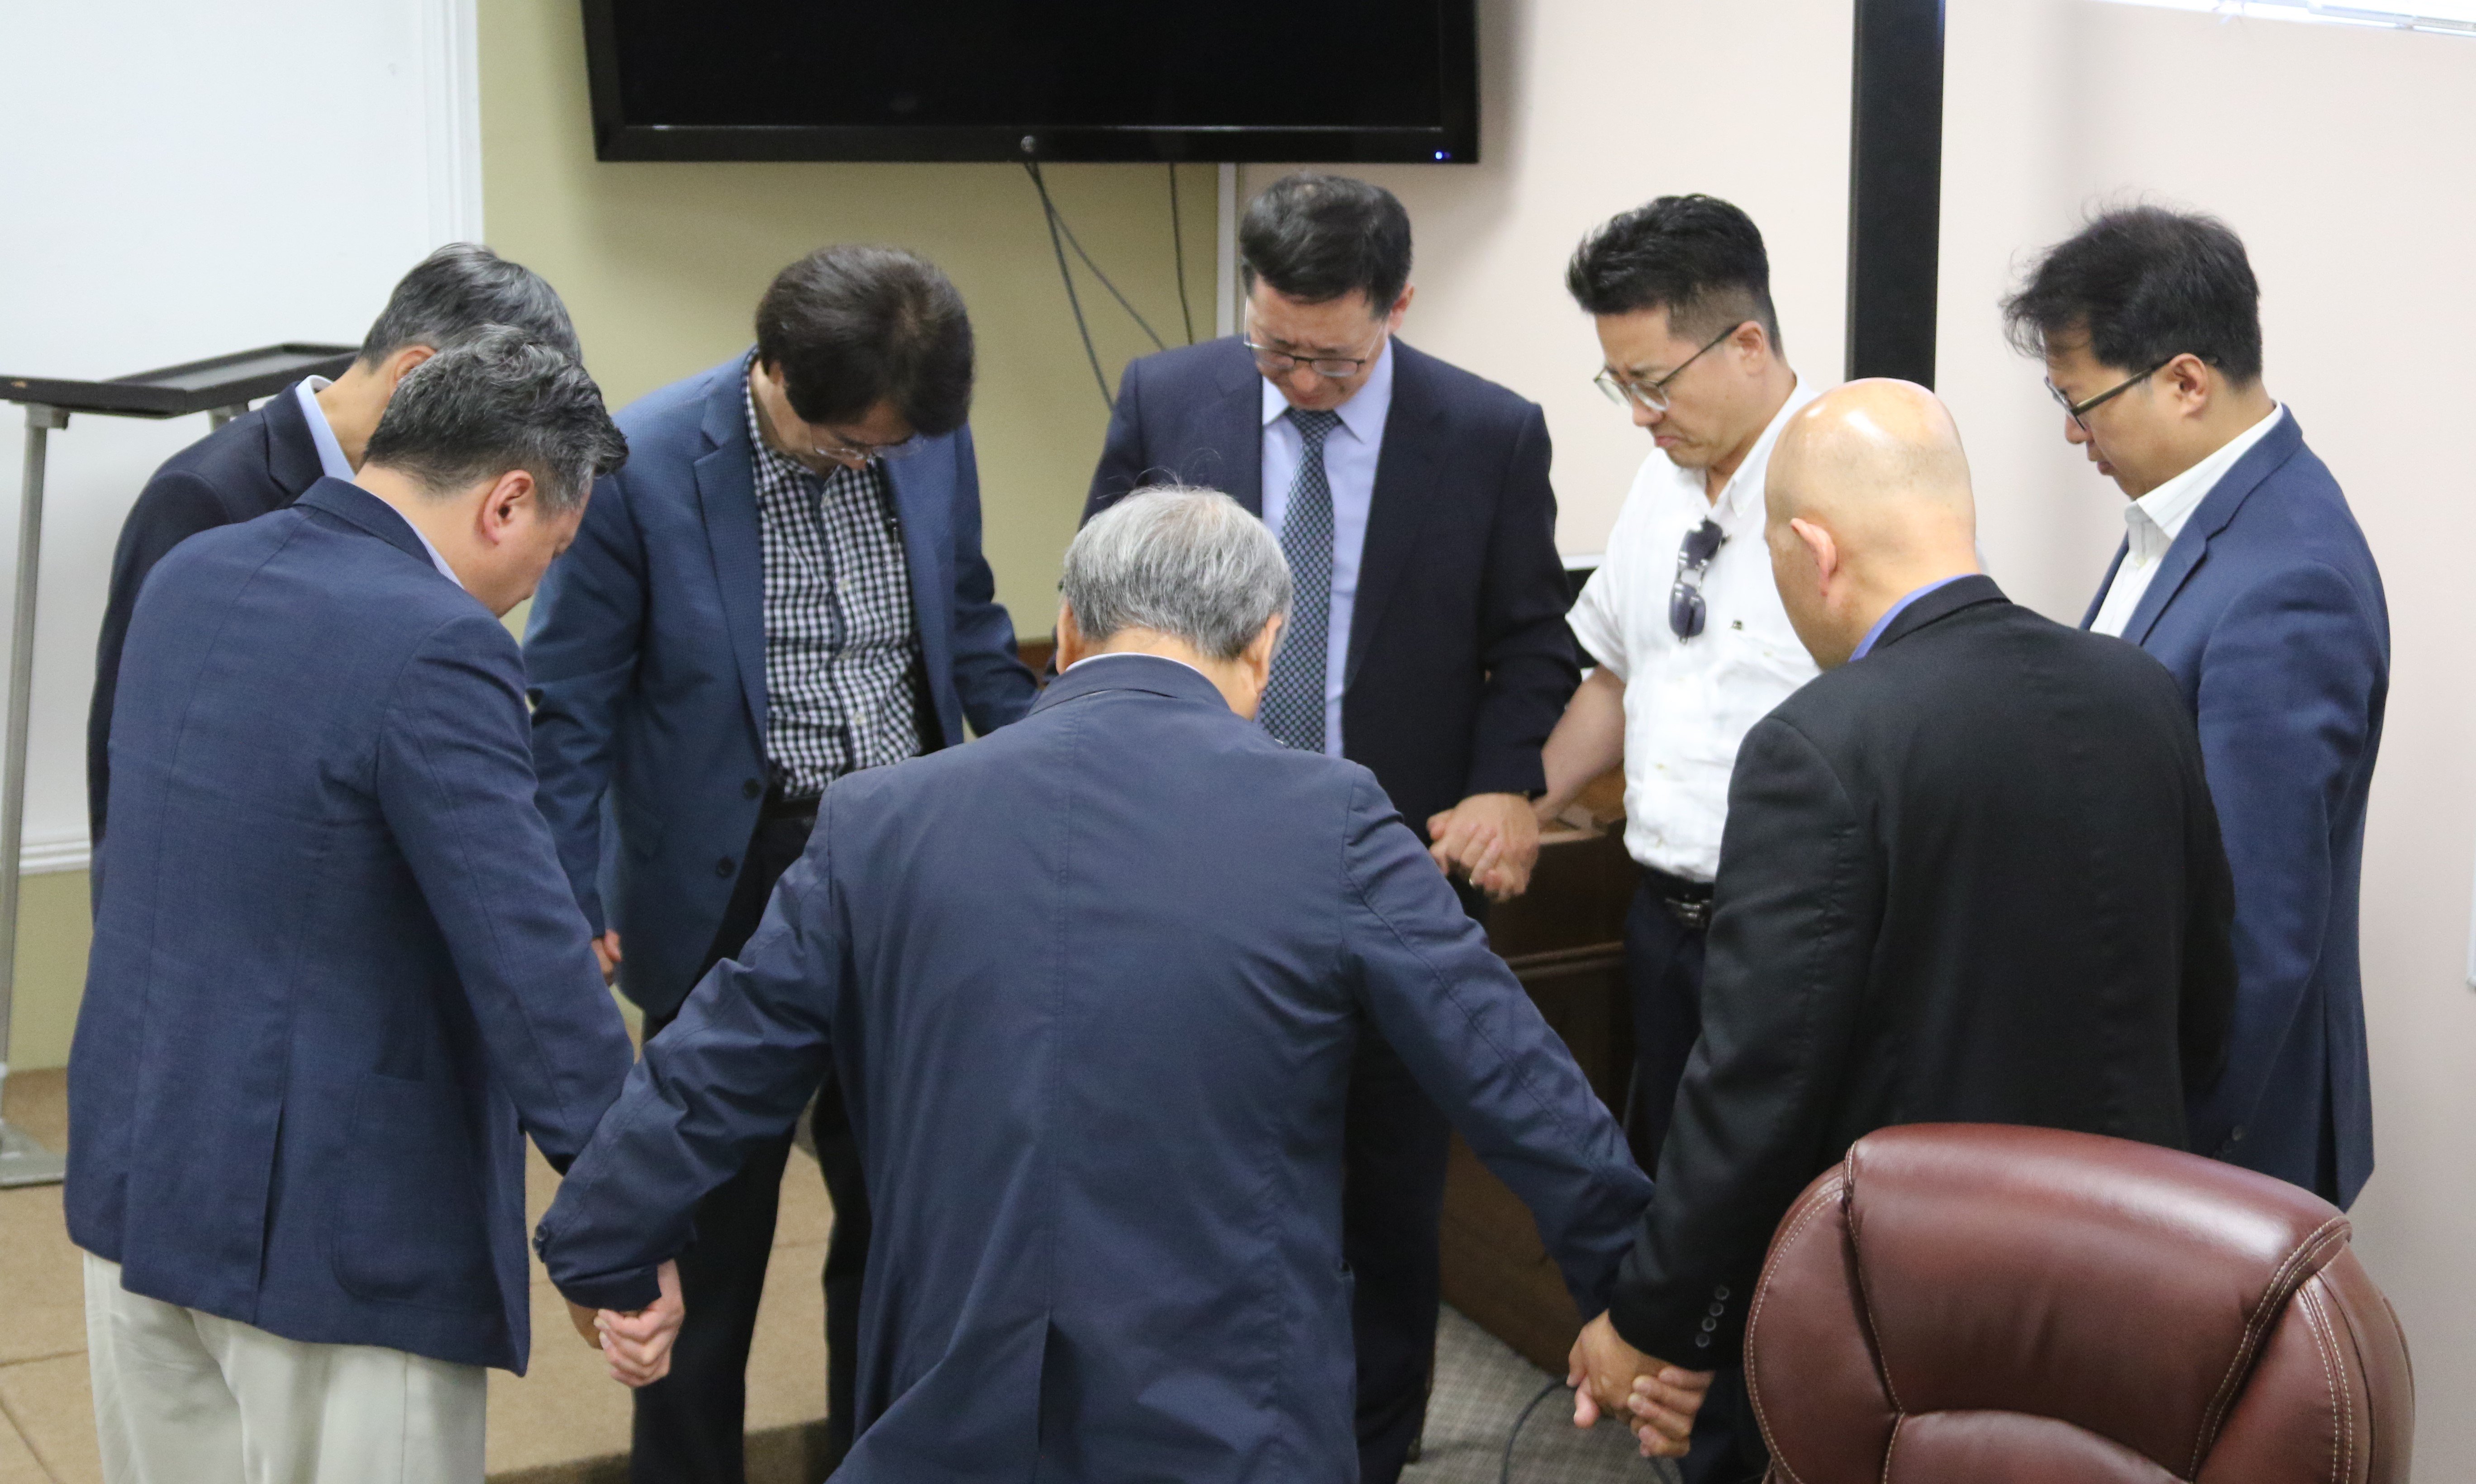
x: 1187, y: 562
x: 455, y: 292
x: 496, y: 401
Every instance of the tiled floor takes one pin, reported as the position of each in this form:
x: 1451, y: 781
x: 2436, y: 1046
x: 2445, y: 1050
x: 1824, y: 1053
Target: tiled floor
x: 566, y: 1423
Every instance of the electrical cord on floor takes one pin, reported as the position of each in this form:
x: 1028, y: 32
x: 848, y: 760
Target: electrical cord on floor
x: 1178, y: 248
x: 1058, y: 225
x: 1504, y: 1475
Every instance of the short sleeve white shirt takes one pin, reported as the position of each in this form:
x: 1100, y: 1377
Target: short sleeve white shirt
x: 1689, y: 702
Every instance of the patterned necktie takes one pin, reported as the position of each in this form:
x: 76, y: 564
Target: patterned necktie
x: 1293, y: 705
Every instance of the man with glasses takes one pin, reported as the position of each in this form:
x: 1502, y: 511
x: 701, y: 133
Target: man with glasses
x: 1691, y: 642
x: 2243, y: 571
x: 1427, y: 641
x: 784, y: 587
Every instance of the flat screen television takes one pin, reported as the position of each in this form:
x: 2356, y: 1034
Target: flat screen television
x: 1126, y: 80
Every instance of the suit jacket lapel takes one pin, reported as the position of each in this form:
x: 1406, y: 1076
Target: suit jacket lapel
x: 1405, y: 481
x: 2192, y: 545
x: 1236, y: 423
x: 726, y: 482
x: 920, y: 516
x: 2122, y: 549
x: 291, y: 450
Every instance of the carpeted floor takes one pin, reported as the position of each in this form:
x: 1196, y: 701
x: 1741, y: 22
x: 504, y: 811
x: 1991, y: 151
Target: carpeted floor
x: 1481, y: 1387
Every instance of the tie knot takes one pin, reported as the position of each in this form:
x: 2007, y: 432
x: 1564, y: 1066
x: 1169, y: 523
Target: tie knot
x: 1314, y: 425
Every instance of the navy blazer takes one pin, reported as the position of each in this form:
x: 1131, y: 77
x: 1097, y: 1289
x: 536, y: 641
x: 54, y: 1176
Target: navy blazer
x: 1091, y: 986
x: 1460, y: 662
x: 259, y: 461
x: 2269, y: 610
x: 646, y: 652
x: 337, y: 968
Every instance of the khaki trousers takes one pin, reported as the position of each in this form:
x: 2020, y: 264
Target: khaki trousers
x: 184, y: 1398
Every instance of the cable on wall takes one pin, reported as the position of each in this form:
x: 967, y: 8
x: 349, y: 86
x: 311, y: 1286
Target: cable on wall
x: 1061, y: 236
x: 1178, y: 249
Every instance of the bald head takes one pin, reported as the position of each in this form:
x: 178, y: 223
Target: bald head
x: 1869, y: 500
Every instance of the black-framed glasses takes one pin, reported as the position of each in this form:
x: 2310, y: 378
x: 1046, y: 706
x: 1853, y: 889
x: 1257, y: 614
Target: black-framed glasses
x: 855, y: 455
x: 2078, y: 411
x: 1274, y: 363
x: 1687, y: 613
x: 1652, y: 396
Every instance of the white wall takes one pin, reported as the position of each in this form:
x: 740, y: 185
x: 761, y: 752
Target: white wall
x: 241, y: 174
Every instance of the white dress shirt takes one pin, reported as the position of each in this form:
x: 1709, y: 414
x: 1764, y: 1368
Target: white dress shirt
x: 333, y: 463
x: 1689, y: 702
x: 2152, y: 523
x: 1350, y: 454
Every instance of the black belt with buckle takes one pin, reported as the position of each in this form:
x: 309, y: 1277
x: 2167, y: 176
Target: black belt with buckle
x: 1689, y: 902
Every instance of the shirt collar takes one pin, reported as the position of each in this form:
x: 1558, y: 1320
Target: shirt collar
x: 1744, y: 490
x: 1363, y: 415
x: 1866, y: 645
x: 1131, y: 655
x: 332, y: 461
x: 2154, y: 521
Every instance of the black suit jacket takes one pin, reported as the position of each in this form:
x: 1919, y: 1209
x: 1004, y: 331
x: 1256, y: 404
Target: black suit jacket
x: 259, y: 461
x: 1974, y: 877
x: 1459, y: 659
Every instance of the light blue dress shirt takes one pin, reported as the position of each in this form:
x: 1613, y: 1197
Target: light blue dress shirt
x: 1866, y: 645
x: 333, y: 463
x: 1350, y: 454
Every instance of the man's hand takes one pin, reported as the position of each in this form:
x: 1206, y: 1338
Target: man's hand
x: 1611, y: 1377
x: 605, y: 952
x: 1491, y: 838
x: 638, y: 1345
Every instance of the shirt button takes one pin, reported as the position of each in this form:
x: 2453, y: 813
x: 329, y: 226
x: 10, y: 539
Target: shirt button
x: 725, y: 867
x: 752, y: 789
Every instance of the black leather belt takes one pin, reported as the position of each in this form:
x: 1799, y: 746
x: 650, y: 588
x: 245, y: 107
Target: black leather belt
x: 1689, y: 902
x: 777, y: 809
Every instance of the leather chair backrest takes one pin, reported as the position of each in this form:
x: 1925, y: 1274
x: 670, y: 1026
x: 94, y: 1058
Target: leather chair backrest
x: 1961, y: 1302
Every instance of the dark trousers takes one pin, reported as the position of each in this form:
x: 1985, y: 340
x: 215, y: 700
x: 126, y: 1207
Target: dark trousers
x: 690, y: 1426
x: 1664, y: 971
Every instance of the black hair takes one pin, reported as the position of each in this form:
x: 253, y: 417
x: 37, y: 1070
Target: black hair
x: 1320, y: 238
x: 851, y: 327
x: 2146, y: 284
x: 500, y: 399
x: 1696, y: 256
x: 458, y: 290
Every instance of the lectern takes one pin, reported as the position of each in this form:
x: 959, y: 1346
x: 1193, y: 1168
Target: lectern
x: 222, y: 387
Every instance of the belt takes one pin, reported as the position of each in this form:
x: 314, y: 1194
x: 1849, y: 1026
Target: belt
x: 1689, y: 902
x: 777, y: 808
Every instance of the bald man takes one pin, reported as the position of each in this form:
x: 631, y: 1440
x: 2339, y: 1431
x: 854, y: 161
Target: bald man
x: 1970, y: 873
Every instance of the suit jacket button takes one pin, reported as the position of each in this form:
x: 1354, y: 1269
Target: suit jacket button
x: 724, y: 867
x: 752, y: 789
x: 1701, y: 1342
x: 1719, y: 1309
x: 1721, y: 1293
x: 1709, y: 1324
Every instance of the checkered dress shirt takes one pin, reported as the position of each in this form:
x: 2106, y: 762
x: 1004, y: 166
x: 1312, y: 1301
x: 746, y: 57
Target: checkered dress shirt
x: 839, y: 643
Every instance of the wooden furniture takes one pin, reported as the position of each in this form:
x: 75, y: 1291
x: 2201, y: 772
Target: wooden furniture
x: 1565, y: 940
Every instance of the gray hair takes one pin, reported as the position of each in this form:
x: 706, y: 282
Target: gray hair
x: 458, y: 290
x: 1191, y: 563
x: 496, y: 401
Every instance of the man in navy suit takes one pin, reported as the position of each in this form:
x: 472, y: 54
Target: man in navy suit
x: 1094, y: 986
x: 263, y: 459
x: 337, y: 972
x: 783, y: 587
x: 2243, y: 572
x: 1429, y: 644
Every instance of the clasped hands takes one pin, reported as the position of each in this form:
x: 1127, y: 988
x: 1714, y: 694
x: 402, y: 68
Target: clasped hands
x: 1492, y: 839
x: 1611, y: 1377
x: 637, y: 1345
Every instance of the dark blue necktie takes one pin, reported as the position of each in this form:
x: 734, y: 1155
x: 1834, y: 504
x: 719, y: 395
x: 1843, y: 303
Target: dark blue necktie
x: 1293, y: 705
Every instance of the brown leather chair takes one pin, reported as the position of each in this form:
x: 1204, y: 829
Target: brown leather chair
x: 1962, y: 1304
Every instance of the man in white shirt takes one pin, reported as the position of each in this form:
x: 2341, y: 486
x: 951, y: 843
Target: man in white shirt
x: 1691, y: 643
x: 2245, y: 573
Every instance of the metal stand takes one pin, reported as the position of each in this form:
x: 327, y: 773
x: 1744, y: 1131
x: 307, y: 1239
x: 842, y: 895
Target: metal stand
x: 23, y: 1160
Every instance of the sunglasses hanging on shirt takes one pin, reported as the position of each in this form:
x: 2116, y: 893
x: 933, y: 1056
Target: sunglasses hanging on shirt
x: 1686, y: 612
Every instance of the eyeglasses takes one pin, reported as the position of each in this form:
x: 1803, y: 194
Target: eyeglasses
x: 856, y: 456
x: 1332, y: 369
x: 2078, y: 411
x: 1686, y: 610
x: 1652, y: 396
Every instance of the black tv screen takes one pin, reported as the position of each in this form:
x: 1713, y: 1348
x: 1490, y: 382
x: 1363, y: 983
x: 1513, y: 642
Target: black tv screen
x: 1206, y: 80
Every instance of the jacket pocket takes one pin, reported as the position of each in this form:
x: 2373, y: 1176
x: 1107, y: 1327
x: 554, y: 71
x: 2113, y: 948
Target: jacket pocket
x: 407, y: 1226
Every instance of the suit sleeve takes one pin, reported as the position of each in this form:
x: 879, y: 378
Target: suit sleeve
x: 2291, y: 681
x: 580, y: 653
x: 1791, y: 934
x: 173, y: 507
x: 455, y: 782
x: 1462, y: 1024
x: 990, y: 678
x: 1524, y: 644
x: 2206, y: 1011
x: 749, y: 1045
x: 1121, y: 452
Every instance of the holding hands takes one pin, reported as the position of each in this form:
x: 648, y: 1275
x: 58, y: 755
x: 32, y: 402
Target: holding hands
x: 1610, y: 1376
x: 638, y: 1345
x: 1492, y: 839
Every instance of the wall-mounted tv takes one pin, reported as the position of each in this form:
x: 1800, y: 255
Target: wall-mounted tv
x: 1128, y: 80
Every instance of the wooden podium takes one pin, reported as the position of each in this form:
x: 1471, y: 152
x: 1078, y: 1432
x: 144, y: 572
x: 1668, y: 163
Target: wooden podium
x: 1565, y: 940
